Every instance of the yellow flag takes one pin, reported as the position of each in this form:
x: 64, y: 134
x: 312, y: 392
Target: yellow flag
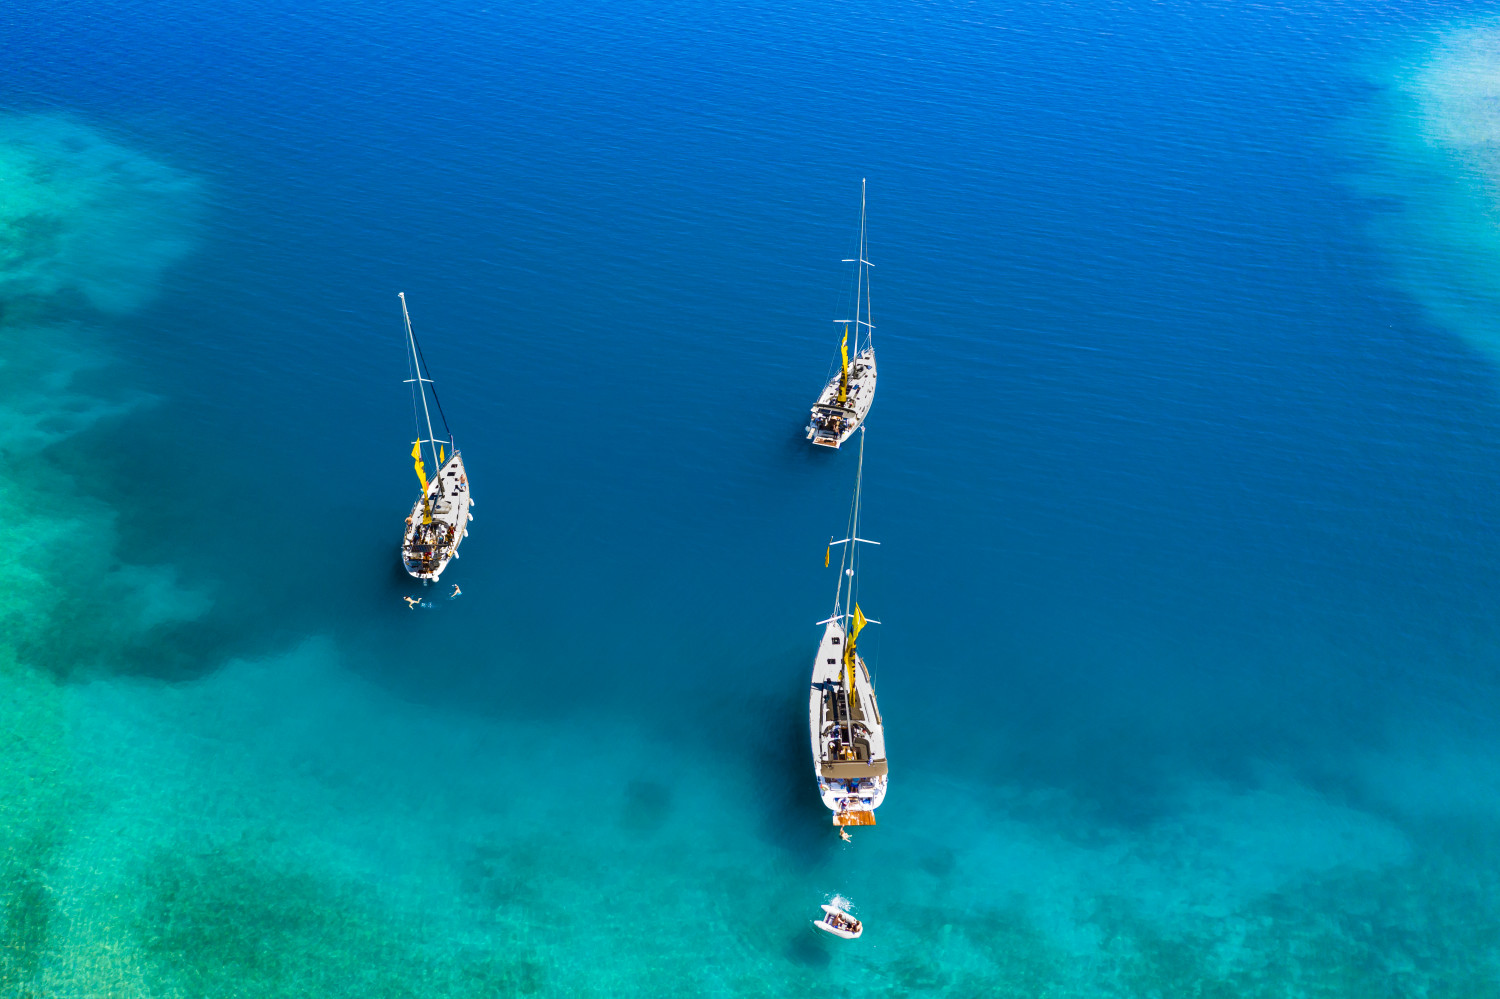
x: 416, y: 452
x: 844, y: 347
x: 826, y: 555
x: 859, y: 622
x: 440, y: 454
x: 854, y: 626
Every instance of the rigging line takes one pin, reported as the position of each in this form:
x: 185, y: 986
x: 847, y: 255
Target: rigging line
x: 847, y: 560
x: 416, y: 386
x: 437, y: 466
x: 423, y: 357
x: 849, y: 674
x: 864, y: 260
x: 846, y: 557
x: 859, y: 479
x: 861, y: 282
x: 863, y: 276
x: 844, y: 299
x: 415, y: 383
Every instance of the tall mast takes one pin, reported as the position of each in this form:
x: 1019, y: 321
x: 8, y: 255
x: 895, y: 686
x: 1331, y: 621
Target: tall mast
x: 847, y: 579
x: 861, y: 291
x: 859, y: 478
x: 862, y: 284
x: 843, y: 608
x: 421, y: 382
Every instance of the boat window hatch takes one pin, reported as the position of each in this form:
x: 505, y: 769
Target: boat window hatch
x: 835, y: 640
x: 832, y: 661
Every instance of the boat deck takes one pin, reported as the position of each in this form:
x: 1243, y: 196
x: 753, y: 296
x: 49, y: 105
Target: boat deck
x: 848, y: 740
x: 831, y: 423
x: 427, y: 549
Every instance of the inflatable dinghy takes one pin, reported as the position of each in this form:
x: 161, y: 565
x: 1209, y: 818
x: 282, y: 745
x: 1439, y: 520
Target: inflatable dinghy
x: 839, y: 923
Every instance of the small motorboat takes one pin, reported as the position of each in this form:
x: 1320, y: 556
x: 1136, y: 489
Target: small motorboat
x: 838, y: 922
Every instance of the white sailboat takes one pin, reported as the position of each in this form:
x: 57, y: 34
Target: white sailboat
x: 848, y: 736
x: 845, y: 400
x: 439, y: 520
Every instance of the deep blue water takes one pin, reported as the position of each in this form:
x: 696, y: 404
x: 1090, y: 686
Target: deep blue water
x: 1177, y: 485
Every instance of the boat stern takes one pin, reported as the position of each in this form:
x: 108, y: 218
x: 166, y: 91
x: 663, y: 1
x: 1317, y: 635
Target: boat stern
x: 853, y: 800
x: 830, y: 426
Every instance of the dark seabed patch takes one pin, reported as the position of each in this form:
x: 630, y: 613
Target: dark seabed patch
x: 1183, y: 482
x: 222, y: 921
x: 647, y: 806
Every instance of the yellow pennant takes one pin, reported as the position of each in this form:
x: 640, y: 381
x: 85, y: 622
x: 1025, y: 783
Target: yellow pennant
x: 416, y: 452
x: 826, y: 555
x: 859, y: 622
x: 844, y: 347
x: 855, y: 625
x: 440, y: 454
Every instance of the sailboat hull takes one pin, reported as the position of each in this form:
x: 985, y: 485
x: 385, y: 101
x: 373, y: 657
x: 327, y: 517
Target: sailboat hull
x: 848, y: 746
x: 832, y: 422
x: 427, y: 549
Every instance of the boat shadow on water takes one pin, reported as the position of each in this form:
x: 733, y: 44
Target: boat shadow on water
x: 646, y: 808
x: 809, y: 948
x: 792, y: 817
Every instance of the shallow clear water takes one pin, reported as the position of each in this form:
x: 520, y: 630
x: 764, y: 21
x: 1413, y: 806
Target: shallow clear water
x: 1184, y: 467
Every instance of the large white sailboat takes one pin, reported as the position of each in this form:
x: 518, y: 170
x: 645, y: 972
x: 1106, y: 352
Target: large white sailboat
x: 848, y: 736
x: 845, y: 400
x: 439, y: 520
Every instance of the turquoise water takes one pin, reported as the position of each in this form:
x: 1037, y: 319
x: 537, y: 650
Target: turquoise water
x: 1183, y: 464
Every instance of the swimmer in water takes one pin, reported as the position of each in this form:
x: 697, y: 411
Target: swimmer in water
x: 456, y: 592
x: 844, y: 835
x: 411, y: 602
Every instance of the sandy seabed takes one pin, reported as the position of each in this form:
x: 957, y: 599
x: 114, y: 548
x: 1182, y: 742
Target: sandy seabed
x: 278, y: 826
